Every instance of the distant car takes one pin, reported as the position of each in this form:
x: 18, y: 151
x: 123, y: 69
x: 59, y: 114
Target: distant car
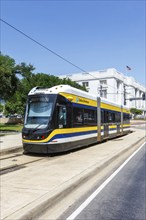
x: 12, y: 116
x: 19, y: 116
x: 140, y: 116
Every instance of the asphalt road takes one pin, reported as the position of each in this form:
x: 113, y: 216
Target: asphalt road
x: 123, y: 198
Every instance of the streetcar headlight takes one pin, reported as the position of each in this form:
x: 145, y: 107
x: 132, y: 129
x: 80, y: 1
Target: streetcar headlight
x: 24, y: 136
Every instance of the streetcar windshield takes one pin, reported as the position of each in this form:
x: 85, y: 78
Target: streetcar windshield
x: 39, y: 111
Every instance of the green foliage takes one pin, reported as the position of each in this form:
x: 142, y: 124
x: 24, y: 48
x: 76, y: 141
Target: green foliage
x: 8, y: 78
x: 136, y: 111
x: 14, y: 106
x: 17, y: 92
x: 1, y: 108
x: 25, y: 70
x: 10, y: 127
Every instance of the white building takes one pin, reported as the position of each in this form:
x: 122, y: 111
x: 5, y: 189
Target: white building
x: 112, y: 85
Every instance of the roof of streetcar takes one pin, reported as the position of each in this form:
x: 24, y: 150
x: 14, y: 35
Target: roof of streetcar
x: 71, y: 91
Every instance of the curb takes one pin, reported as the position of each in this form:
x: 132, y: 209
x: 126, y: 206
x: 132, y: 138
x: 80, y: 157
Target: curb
x: 10, y: 150
x: 47, y: 201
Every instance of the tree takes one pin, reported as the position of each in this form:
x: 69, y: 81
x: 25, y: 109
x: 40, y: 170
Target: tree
x: 8, y: 78
x: 25, y: 70
x: 15, y: 91
x: 136, y: 111
x: 15, y: 105
x: 1, y: 108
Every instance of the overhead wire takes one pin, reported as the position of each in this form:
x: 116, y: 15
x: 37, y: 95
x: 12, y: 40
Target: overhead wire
x: 45, y: 47
x: 51, y: 51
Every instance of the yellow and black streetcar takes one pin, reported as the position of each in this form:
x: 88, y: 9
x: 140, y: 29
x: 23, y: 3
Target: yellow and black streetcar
x: 62, y: 118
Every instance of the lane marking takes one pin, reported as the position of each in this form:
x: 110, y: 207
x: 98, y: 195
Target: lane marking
x: 101, y: 187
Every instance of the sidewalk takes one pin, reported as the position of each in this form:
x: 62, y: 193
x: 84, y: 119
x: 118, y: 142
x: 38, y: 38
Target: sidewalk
x: 10, y: 143
x: 27, y: 192
x: 137, y: 122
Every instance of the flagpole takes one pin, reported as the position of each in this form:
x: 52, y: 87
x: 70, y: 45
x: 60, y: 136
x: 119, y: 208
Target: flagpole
x: 127, y: 69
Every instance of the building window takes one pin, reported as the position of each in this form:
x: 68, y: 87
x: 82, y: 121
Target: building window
x: 104, y: 93
x: 103, y: 82
x: 118, y: 86
x: 85, y: 84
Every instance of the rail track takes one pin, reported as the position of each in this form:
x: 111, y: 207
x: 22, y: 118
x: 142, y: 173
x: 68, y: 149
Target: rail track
x: 16, y: 161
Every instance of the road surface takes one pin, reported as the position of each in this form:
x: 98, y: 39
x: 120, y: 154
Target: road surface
x: 123, y: 198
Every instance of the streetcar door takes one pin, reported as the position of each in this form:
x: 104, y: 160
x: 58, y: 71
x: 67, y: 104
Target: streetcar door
x: 62, y: 116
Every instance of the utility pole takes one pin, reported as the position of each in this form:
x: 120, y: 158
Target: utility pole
x: 100, y: 90
x: 124, y: 95
x: 98, y: 120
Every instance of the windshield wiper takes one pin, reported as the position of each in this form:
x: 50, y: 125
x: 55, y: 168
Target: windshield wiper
x: 37, y: 127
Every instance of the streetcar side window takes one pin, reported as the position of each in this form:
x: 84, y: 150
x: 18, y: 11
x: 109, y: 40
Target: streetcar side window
x: 108, y: 116
x: 105, y: 116
x: 77, y: 117
x: 102, y: 116
x: 126, y: 117
x: 84, y: 117
x: 118, y: 117
x: 111, y: 117
x: 90, y: 117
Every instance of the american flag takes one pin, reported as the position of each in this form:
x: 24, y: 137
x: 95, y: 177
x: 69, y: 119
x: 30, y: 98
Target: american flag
x: 128, y: 68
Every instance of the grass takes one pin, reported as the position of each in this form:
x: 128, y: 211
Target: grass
x: 11, y: 127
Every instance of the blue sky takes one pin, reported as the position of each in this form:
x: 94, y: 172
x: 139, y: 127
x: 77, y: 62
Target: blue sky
x: 94, y: 35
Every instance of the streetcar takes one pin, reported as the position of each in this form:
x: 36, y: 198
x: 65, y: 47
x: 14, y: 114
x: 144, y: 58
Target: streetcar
x: 63, y: 118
